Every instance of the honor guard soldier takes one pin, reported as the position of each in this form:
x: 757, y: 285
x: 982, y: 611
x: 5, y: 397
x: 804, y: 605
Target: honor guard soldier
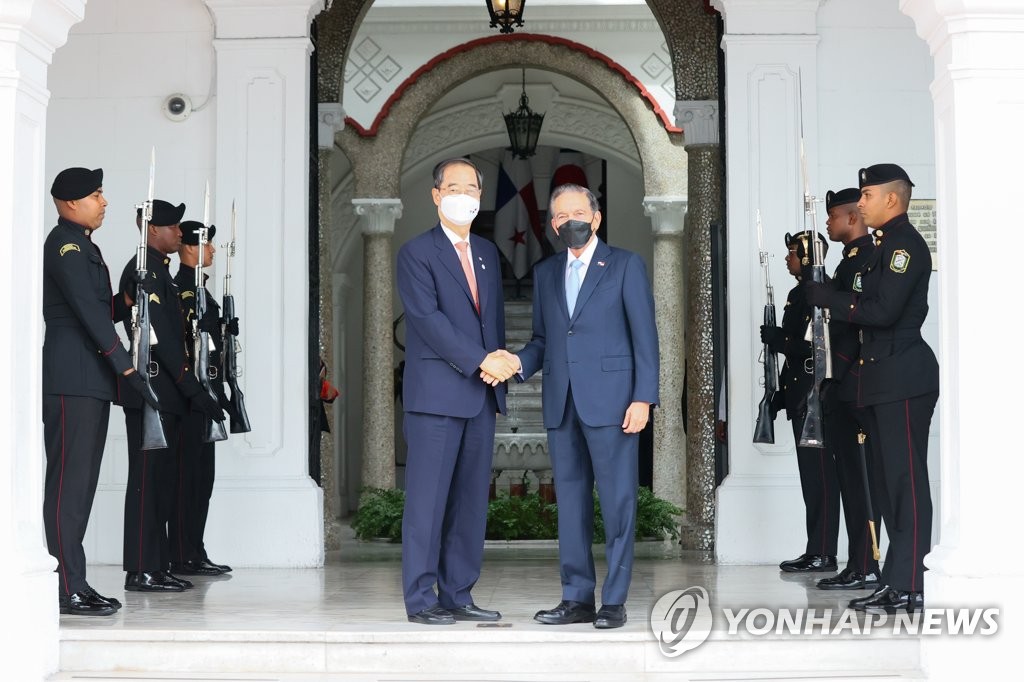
x: 82, y: 356
x: 196, y: 461
x: 152, y: 474
x: 845, y: 225
x: 898, y: 383
x: 818, y: 480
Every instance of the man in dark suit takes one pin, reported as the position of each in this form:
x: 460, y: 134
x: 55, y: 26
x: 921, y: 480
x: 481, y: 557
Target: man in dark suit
x: 82, y: 356
x: 899, y: 380
x: 595, y: 337
x: 839, y: 398
x: 149, y: 495
x: 450, y: 285
x: 818, y: 482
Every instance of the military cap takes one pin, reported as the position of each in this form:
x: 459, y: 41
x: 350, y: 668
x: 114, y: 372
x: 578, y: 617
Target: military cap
x: 190, y: 232
x: 164, y: 213
x: 75, y: 183
x: 850, y: 195
x: 801, y: 240
x: 881, y: 173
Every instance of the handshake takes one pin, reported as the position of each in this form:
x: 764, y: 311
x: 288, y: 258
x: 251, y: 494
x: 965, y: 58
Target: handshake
x: 499, y: 366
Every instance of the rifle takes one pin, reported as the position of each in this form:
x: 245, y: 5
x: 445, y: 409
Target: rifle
x: 143, y: 337
x: 239, y: 417
x: 820, y: 363
x: 215, y: 430
x: 764, y: 429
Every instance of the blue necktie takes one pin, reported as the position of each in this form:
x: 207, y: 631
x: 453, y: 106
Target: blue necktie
x: 572, y: 287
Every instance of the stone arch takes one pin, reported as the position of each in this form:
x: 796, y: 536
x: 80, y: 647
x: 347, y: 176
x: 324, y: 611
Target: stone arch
x: 688, y: 27
x: 378, y: 160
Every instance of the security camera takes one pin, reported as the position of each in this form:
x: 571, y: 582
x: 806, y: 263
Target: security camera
x: 177, y: 107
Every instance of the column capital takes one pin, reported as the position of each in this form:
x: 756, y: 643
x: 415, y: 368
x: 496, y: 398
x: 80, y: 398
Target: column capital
x: 668, y: 215
x: 769, y: 16
x: 330, y: 118
x: 263, y: 18
x: 699, y: 120
x: 379, y: 215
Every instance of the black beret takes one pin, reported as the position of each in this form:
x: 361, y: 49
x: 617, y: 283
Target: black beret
x: 801, y: 240
x: 164, y: 213
x: 75, y: 183
x: 881, y: 173
x: 850, y: 195
x: 190, y: 232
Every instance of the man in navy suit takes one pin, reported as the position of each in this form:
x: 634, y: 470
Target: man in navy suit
x: 595, y: 337
x: 450, y: 285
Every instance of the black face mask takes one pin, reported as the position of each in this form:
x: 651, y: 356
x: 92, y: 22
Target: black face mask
x: 574, y: 233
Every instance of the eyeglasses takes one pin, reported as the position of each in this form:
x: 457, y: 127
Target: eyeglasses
x: 471, y: 190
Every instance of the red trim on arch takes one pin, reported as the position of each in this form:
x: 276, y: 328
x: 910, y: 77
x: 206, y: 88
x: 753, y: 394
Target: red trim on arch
x: 515, y: 37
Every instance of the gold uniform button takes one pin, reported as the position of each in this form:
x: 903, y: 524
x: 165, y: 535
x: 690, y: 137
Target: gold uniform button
x: 878, y: 242
x: 852, y: 306
x: 879, y: 233
x: 861, y: 361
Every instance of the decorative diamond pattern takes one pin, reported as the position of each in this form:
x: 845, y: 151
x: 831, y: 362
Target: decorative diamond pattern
x: 372, y: 68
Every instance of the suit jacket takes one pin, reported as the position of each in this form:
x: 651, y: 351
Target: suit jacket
x: 82, y: 353
x: 446, y: 339
x: 896, y: 363
x: 174, y: 380
x: 607, y: 351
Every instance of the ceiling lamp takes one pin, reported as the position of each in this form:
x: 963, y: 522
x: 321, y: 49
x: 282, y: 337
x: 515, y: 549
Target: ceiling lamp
x: 506, y: 14
x: 524, y: 126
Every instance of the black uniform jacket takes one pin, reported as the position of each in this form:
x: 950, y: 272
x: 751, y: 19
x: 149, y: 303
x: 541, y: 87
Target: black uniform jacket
x: 186, y: 281
x: 895, y: 361
x: 82, y: 354
x: 794, y: 380
x: 174, y: 379
x: 844, y: 336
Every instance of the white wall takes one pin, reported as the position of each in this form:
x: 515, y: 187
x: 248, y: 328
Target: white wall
x: 866, y: 100
x: 108, y: 85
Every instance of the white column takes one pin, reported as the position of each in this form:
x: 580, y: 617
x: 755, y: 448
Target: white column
x: 978, y: 92
x: 265, y: 497
x: 770, y: 46
x: 378, y: 224
x: 30, y: 32
x: 667, y: 215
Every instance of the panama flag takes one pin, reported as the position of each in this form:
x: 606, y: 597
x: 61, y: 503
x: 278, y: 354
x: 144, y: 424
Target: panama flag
x: 517, y: 228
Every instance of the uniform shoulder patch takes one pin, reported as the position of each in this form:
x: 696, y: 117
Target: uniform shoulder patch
x: 900, y: 261
x: 154, y: 298
x: 70, y: 246
x: 858, y: 283
x: 188, y: 294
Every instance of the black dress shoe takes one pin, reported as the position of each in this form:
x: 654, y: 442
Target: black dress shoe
x: 99, y: 597
x: 150, y: 582
x: 223, y: 568
x: 473, y: 612
x: 610, y: 617
x: 567, y: 612
x: 185, y: 584
x: 859, y: 602
x: 435, y: 615
x: 195, y: 568
x: 848, y: 579
x: 809, y: 563
x: 889, y: 600
x: 84, y: 604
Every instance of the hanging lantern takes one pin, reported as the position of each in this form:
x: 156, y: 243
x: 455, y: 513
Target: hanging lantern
x: 506, y: 14
x: 524, y: 126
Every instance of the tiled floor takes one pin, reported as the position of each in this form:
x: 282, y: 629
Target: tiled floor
x: 356, y: 599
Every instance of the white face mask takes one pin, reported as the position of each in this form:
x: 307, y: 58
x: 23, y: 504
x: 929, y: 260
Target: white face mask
x: 459, y: 209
